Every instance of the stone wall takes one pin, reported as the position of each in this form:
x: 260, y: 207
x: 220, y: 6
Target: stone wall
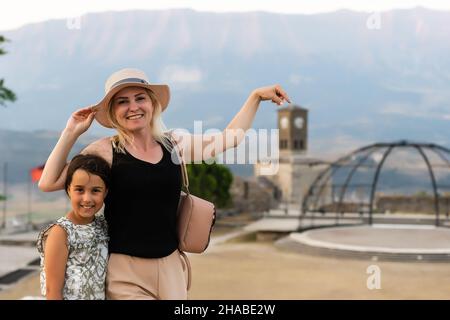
x: 253, y: 194
x: 294, y: 177
x: 344, y: 207
x: 403, y: 203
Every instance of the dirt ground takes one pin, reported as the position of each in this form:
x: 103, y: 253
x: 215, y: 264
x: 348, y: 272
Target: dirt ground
x: 259, y: 270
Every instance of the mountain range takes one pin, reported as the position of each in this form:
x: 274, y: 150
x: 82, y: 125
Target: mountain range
x: 360, y: 84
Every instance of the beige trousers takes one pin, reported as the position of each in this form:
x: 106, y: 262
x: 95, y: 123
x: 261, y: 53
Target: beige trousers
x: 133, y: 278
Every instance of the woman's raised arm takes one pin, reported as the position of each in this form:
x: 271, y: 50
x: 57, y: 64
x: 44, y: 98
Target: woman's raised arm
x: 197, y: 147
x: 54, y: 174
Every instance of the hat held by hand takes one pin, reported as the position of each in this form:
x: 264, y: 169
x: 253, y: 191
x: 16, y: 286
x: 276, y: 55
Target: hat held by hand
x: 128, y: 78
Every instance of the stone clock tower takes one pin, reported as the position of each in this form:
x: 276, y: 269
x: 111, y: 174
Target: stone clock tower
x: 293, y: 130
x: 296, y: 170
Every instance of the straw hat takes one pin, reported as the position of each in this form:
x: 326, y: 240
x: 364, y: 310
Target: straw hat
x: 128, y: 78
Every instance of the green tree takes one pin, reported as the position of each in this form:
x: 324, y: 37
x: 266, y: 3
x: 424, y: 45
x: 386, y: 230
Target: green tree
x: 2, y: 197
x: 211, y: 182
x: 5, y: 93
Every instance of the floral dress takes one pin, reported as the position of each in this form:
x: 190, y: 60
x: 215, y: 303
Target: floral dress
x: 87, y: 260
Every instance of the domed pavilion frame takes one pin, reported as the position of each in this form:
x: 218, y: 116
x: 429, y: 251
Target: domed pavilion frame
x: 311, y: 200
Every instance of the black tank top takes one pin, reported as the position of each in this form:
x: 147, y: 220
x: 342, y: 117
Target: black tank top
x: 141, y: 206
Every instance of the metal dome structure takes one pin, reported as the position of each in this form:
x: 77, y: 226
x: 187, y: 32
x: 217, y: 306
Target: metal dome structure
x: 358, y: 182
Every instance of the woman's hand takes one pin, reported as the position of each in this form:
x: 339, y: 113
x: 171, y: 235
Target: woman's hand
x: 81, y: 120
x: 274, y: 93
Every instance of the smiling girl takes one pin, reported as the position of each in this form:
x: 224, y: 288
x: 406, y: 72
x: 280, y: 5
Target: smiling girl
x: 74, y: 249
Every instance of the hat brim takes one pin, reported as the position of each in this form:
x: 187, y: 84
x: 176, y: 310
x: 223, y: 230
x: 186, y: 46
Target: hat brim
x: 161, y: 91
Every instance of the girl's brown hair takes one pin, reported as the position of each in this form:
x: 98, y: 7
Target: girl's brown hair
x: 90, y: 163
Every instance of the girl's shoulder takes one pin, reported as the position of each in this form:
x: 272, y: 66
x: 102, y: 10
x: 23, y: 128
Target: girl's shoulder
x: 64, y: 225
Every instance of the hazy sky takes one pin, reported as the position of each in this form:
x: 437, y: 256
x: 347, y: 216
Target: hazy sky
x: 16, y: 13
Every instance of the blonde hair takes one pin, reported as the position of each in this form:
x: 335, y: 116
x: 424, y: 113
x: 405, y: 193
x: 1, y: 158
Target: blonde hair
x: 158, y: 129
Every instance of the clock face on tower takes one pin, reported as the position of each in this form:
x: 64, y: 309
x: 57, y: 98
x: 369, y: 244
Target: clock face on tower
x: 298, y: 122
x: 284, y: 123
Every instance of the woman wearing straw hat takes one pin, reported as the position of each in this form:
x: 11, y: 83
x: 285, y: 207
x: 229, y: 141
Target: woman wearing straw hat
x: 142, y: 202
